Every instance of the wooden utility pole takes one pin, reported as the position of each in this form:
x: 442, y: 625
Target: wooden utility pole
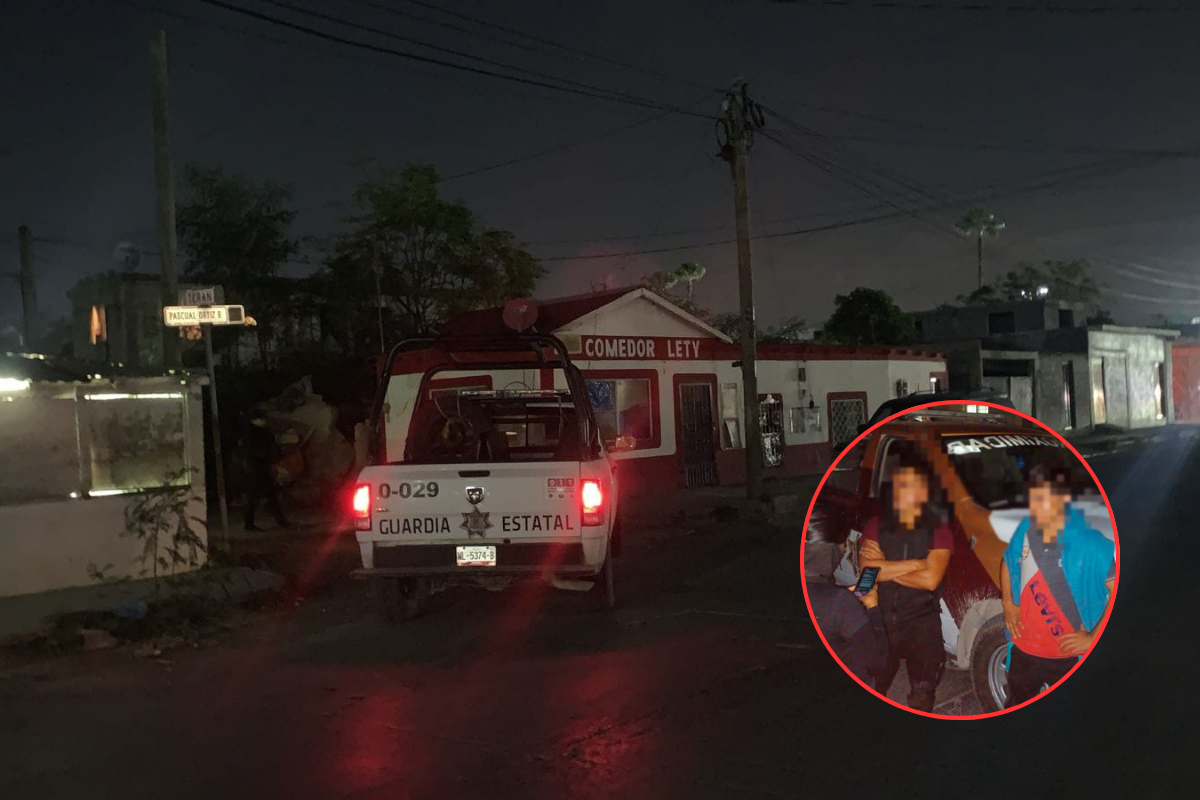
x: 165, y: 180
x: 29, y: 309
x: 741, y: 118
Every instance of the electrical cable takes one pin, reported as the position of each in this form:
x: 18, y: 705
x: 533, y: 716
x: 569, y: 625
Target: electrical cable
x: 849, y: 177
x: 552, y: 43
x: 1050, y: 181
x: 1000, y: 8
x: 570, y: 87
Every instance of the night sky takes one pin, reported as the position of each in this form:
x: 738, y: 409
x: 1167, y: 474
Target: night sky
x: 932, y: 106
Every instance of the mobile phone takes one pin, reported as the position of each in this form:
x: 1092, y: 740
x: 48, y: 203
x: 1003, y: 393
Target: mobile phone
x: 866, y: 581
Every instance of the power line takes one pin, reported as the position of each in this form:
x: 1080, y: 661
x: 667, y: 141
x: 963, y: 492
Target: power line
x: 1049, y: 146
x: 570, y: 87
x: 1127, y: 270
x: 409, y: 40
x: 849, y: 177
x: 1086, y: 172
x: 910, y: 185
x: 999, y: 8
x: 705, y: 229
x: 556, y: 45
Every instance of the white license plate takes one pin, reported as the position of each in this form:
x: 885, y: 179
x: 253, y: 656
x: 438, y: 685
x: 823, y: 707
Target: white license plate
x: 476, y: 556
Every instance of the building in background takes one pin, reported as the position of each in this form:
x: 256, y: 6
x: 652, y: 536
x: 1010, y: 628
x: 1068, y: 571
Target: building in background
x: 671, y: 382
x: 116, y: 318
x: 1053, y: 365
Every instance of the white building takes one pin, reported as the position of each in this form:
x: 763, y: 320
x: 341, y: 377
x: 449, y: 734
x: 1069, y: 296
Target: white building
x: 672, y: 382
x: 77, y: 455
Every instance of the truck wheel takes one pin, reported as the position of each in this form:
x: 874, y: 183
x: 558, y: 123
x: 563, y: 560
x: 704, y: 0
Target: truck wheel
x: 988, y: 674
x: 604, y: 590
x: 399, y: 599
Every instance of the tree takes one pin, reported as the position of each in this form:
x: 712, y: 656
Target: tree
x: 978, y: 224
x: 432, y: 258
x: 792, y: 329
x: 661, y: 282
x: 868, y: 316
x: 236, y: 233
x: 689, y: 272
x: 1062, y: 280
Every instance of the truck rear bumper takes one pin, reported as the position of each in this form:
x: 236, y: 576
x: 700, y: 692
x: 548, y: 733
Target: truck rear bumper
x: 440, y: 560
x: 473, y: 572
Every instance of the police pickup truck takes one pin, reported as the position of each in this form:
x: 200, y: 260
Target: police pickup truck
x: 467, y: 484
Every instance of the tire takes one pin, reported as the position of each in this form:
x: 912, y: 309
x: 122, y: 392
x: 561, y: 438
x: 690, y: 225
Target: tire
x: 400, y: 600
x: 988, y: 674
x: 604, y: 590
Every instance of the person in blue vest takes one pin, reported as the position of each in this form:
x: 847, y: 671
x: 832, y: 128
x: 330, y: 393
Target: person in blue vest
x: 1057, y: 581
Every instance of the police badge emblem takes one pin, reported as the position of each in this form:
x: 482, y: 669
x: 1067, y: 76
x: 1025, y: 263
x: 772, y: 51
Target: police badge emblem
x: 475, y: 523
x: 475, y: 495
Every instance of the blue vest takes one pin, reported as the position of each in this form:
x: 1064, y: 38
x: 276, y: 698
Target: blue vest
x: 1087, y: 555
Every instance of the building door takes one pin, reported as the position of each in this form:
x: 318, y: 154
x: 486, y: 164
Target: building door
x: 1020, y: 392
x: 696, y: 431
x: 1099, y: 404
x: 770, y: 423
x: 1068, y: 379
x: 1185, y: 377
x: 1116, y: 390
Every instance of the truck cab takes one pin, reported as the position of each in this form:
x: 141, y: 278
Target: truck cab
x: 469, y: 484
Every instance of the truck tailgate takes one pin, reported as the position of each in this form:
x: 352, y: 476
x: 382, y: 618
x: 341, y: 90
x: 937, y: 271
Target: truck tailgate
x: 424, y: 504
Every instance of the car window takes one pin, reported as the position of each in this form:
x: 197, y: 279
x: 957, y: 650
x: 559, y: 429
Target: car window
x: 993, y: 468
x: 845, y: 477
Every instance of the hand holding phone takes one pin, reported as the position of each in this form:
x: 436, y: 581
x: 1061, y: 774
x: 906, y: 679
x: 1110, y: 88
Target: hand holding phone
x: 866, y: 581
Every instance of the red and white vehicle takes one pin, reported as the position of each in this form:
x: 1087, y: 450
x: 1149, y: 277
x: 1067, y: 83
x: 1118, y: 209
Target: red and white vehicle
x: 481, y: 486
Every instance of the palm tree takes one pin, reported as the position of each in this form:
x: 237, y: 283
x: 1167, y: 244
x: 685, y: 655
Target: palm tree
x: 979, y: 223
x: 689, y: 272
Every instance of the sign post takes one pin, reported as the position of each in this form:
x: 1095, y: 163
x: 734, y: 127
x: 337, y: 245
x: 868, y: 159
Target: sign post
x: 201, y: 310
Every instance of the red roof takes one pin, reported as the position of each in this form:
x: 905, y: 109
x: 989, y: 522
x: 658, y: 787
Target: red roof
x: 552, y: 314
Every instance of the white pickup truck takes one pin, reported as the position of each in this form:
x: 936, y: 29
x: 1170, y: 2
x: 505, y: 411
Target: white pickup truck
x: 468, y: 485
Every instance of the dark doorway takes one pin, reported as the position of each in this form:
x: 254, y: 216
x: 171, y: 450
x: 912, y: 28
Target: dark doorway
x: 1068, y: 377
x: 696, y: 433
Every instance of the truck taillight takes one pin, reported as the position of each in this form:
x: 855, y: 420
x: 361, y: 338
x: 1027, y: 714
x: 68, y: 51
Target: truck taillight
x: 592, y: 497
x: 360, y: 507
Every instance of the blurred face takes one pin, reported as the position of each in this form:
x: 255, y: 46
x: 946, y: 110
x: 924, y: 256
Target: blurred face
x: 910, y: 491
x: 1046, y: 506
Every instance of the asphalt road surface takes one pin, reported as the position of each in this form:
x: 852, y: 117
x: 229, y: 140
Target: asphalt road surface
x: 708, y: 682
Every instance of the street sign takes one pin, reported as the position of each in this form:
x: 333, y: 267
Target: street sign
x: 183, y: 316
x: 201, y: 296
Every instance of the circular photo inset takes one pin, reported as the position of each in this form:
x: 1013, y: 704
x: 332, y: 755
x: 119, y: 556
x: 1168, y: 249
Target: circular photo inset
x: 959, y: 560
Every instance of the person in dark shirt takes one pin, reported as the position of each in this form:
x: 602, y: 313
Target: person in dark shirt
x: 852, y: 626
x: 911, y: 542
x: 262, y: 452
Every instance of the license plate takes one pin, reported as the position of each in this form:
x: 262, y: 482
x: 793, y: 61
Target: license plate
x: 476, y: 556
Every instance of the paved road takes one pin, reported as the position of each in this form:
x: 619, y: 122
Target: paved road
x: 709, y: 683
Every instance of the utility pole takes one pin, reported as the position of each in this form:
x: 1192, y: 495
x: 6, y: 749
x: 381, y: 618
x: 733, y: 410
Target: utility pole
x: 29, y: 309
x: 741, y: 118
x: 377, y: 266
x: 165, y: 180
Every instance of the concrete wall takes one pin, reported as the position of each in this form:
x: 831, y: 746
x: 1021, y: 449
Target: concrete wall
x: 49, y: 543
x: 1132, y: 359
x: 1049, y: 397
x: 971, y: 322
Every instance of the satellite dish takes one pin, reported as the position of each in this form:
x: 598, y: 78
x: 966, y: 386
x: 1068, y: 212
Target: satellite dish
x: 127, y: 255
x: 520, y: 314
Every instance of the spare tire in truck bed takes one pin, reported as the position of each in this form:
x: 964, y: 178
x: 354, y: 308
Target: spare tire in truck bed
x: 454, y: 431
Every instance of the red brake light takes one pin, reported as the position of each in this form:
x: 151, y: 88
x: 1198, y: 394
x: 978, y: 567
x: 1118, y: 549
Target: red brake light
x: 592, y: 497
x: 361, y: 507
